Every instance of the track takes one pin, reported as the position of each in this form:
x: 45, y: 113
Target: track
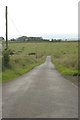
x: 41, y: 93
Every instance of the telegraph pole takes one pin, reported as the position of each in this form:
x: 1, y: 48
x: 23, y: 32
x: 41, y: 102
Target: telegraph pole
x: 6, y: 27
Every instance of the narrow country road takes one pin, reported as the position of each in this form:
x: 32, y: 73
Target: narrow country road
x: 41, y: 93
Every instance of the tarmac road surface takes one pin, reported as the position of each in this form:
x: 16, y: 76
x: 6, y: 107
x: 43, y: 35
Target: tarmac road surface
x: 41, y: 93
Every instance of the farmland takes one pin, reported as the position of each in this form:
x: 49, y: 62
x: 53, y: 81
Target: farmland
x: 64, y: 55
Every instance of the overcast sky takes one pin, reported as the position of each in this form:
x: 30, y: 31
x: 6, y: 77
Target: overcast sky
x: 39, y: 17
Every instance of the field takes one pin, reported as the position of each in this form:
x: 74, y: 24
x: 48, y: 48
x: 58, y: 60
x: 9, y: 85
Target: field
x: 64, y: 55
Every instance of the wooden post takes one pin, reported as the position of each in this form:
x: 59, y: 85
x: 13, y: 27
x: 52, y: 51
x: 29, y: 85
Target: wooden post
x: 6, y: 29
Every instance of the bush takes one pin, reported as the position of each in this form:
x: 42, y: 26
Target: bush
x: 5, y: 58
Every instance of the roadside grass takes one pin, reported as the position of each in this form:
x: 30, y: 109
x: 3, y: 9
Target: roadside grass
x: 67, y: 64
x: 18, y: 66
x: 65, y: 58
x: 64, y: 55
x: 65, y: 70
x: 12, y: 74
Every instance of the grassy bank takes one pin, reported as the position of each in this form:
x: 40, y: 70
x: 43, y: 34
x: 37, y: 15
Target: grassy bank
x: 19, y: 66
x: 65, y: 58
x: 64, y: 55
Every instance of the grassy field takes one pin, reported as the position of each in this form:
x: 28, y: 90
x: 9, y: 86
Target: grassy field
x: 64, y: 55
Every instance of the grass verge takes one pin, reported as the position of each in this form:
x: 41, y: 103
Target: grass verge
x: 19, y: 65
x: 10, y: 74
x: 68, y: 73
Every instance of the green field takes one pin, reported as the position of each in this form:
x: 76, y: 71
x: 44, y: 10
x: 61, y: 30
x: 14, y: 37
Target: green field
x: 64, y: 55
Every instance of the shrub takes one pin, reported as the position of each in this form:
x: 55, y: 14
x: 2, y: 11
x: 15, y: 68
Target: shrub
x: 5, y: 58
